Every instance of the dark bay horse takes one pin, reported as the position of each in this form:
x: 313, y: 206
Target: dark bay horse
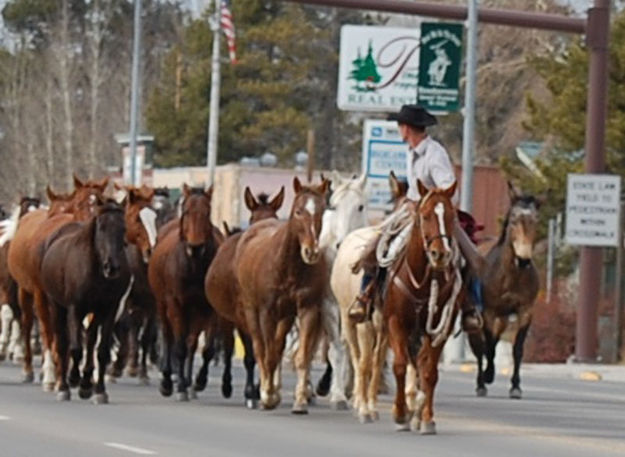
x: 222, y: 289
x: 509, y: 286
x: 8, y: 286
x: 282, y: 275
x: 176, y: 272
x: 25, y: 256
x: 422, y: 301
x: 84, y: 270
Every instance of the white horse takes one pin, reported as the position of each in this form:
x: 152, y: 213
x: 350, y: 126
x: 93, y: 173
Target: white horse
x: 347, y: 211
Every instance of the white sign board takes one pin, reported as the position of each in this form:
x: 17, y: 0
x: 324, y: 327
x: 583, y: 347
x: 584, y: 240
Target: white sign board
x: 378, y: 68
x: 592, y: 209
x: 383, y: 151
x: 127, y: 164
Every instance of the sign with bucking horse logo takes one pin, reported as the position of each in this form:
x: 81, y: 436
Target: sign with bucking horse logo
x: 439, y: 66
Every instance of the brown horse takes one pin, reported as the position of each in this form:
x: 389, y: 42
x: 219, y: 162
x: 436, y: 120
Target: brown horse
x: 422, y: 301
x: 176, y: 274
x: 84, y: 270
x: 282, y: 275
x: 25, y: 256
x: 509, y: 286
x: 222, y: 289
x: 8, y: 286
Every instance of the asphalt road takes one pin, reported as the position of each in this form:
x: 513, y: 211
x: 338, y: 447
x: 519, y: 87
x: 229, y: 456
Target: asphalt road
x: 557, y: 417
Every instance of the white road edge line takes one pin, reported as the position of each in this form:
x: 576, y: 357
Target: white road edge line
x: 133, y: 449
x: 4, y: 418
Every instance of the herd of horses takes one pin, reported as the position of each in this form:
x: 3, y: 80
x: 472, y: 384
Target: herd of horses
x: 126, y: 274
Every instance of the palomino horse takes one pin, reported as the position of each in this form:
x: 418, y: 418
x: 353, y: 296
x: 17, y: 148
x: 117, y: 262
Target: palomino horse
x: 25, y: 256
x: 509, y: 286
x: 176, y: 274
x: 422, y: 300
x: 84, y: 270
x: 139, y: 315
x: 10, y: 332
x: 347, y: 212
x: 281, y: 274
x: 366, y: 341
x: 222, y: 289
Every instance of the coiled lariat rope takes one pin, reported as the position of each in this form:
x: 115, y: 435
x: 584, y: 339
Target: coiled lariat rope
x: 394, y: 236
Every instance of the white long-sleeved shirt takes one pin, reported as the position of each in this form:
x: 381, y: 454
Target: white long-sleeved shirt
x: 430, y: 163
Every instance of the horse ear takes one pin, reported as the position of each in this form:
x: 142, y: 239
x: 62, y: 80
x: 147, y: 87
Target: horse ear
x: 77, y: 182
x: 250, y: 201
x: 362, y: 181
x: 451, y: 190
x: 513, y: 191
x: 118, y: 186
x: 227, y: 229
x: 102, y: 184
x: 423, y: 191
x: 276, y: 202
x: 336, y: 178
x: 131, y: 196
x: 325, y: 186
x: 297, y: 185
x: 50, y: 194
x: 186, y: 190
x: 209, y: 192
x: 394, y: 183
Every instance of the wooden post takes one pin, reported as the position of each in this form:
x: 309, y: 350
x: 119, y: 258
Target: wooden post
x: 178, y: 80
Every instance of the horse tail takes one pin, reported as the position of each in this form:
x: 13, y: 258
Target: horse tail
x: 9, y: 226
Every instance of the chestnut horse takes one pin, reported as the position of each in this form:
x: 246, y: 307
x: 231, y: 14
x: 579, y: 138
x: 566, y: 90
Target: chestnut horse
x: 84, y: 270
x: 424, y: 291
x: 281, y: 273
x: 176, y: 274
x: 25, y: 256
x: 9, y: 324
x: 223, y: 292
x: 509, y: 286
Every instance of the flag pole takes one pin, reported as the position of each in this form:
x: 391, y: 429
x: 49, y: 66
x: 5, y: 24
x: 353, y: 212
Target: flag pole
x: 213, y: 119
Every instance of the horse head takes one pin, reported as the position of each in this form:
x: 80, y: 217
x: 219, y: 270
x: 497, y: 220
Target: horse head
x: 261, y: 207
x: 520, y: 224
x: 306, y: 216
x: 88, y: 196
x: 347, y: 205
x: 59, y: 203
x: 140, y: 219
x: 28, y: 204
x: 196, y: 229
x: 436, y: 213
x: 109, y: 231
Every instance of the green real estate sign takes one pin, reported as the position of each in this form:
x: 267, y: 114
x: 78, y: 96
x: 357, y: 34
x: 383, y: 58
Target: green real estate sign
x: 440, y: 56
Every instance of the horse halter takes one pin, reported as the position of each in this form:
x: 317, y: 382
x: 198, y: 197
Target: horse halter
x: 427, y: 241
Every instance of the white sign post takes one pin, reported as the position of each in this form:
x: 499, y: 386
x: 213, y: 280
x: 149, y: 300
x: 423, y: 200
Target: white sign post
x: 592, y: 210
x: 378, y: 68
x: 383, y: 151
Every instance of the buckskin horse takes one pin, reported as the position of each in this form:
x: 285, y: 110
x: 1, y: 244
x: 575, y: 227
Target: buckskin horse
x: 223, y: 291
x: 281, y: 272
x: 25, y: 256
x: 176, y: 274
x: 509, y: 286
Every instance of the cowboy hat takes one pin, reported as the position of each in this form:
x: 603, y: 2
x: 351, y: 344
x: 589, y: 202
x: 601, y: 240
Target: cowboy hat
x: 414, y: 115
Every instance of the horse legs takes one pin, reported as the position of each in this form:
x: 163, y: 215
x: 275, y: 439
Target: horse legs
x: 86, y: 383
x: 74, y: 326
x: 26, y: 304
x: 478, y: 343
x: 428, y: 377
x: 378, y: 359
x: 492, y: 338
x: 349, y: 332
x: 517, y: 352
x: 104, y: 354
x: 227, y: 333
x: 147, y: 340
x: 251, y: 390
x: 47, y: 335
x: 336, y: 355
x: 6, y: 318
x: 122, y: 334
x: 132, y: 366
x: 191, y: 347
x: 208, y: 353
x: 253, y: 319
x: 166, y: 386
x: 309, y: 322
x: 399, y: 342
x: 61, y: 351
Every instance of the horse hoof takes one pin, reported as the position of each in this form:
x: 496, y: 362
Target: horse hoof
x: 144, y: 381
x: 48, y: 387
x: 166, y: 389
x: 489, y: 375
x: 312, y: 400
x: 340, y: 405
x: 101, y: 399
x: 110, y: 379
x: 182, y: 396
x: 28, y: 378
x: 403, y: 427
x: 199, y: 386
x: 74, y: 382
x: 515, y: 393
x: 415, y: 424
x: 428, y: 428
x: 267, y: 406
x: 85, y: 393
x: 132, y: 372
x: 192, y: 394
x: 299, y: 409
x: 481, y: 391
x: 251, y: 403
x: 375, y: 416
x: 226, y: 390
x: 63, y: 395
x: 365, y: 418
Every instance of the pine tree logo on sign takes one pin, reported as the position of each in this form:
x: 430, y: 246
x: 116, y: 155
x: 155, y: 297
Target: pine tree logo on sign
x: 365, y: 72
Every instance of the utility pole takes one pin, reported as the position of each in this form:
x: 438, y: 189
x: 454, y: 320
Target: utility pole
x: 134, y: 94
x: 213, y: 119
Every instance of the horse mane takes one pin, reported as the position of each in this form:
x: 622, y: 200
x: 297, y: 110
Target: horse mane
x: 263, y: 198
x: 110, y: 205
x: 9, y: 226
x: 523, y: 201
x: 161, y: 192
x: 341, y: 190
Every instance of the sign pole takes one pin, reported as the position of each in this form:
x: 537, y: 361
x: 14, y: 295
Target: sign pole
x: 134, y: 94
x: 213, y: 117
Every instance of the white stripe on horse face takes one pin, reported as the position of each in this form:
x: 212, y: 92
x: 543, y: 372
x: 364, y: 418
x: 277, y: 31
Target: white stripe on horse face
x: 311, y: 206
x: 439, y: 210
x: 148, y: 219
